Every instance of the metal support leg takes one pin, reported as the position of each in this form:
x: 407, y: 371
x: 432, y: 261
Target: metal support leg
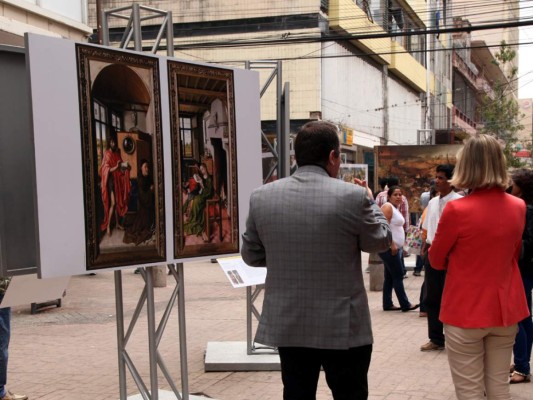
x: 154, y: 336
x: 152, y: 348
x: 182, y: 333
x: 120, y: 335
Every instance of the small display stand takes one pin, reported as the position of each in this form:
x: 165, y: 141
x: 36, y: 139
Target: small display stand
x: 36, y: 307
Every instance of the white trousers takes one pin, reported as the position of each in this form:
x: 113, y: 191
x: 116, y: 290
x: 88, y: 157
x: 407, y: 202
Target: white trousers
x: 479, y: 361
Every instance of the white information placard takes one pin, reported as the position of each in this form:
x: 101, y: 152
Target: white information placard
x: 240, y: 274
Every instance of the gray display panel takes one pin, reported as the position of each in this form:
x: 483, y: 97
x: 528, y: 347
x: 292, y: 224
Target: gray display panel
x: 17, y: 170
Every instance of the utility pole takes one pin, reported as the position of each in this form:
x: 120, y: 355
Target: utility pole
x: 99, y: 20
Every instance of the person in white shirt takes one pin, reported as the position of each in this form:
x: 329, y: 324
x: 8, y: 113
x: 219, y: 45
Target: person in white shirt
x: 434, y: 280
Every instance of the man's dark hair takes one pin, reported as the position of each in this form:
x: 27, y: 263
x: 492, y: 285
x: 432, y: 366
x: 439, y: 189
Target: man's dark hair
x: 383, y: 182
x: 523, y: 178
x: 447, y: 169
x: 393, y: 181
x: 112, y: 137
x: 314, y: 142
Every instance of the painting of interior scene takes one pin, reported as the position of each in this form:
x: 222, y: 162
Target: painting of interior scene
x: 414, y: 166
x: 122, y: 157
x: 204, y: 157
x: 348, y: 172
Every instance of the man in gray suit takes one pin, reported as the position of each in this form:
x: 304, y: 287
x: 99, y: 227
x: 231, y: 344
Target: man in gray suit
x: 309, y: 230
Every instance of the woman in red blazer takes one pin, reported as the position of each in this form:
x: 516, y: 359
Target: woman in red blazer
x: 478, y: 242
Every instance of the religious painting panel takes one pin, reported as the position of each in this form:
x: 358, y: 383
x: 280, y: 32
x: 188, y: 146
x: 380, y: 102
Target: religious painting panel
x: 202, y: 109
x: 120, y: 118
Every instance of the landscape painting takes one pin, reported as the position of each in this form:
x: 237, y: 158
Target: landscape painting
x: 122, y: 157
x: 202, y: 109
x: 347, y: 172
x: 414, y: 166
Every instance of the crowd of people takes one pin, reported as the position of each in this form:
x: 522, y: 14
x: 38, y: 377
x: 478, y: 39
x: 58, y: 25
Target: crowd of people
x: 309, y: 231
x: 477, y: 259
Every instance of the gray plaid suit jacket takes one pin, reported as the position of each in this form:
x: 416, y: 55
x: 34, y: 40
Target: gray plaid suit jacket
x: 309, y: 231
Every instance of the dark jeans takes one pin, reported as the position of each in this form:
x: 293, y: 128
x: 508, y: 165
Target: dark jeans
x: 422, y: 298
x: 434, y: 281
x: 346, y: 372
x: 419, y: 263
x: 524, y: 337
x: 393, y: 273
x: 5, y: 332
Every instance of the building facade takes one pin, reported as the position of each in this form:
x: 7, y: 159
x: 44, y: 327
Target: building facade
x: 373, y: 88
x: 60, y: 18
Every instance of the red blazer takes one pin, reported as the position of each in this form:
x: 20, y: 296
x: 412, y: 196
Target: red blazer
x: 478, y: 241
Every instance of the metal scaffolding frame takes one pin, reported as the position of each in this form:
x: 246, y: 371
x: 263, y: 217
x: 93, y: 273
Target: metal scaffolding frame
x: 155, y: 333
x: 281, y: 155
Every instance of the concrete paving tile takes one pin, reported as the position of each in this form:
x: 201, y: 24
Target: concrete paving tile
x: 70, y: 352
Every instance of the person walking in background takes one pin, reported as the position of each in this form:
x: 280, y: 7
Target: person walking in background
x: 523, y: 188
x: 309, y: 230
x: 423, y: 313
x: 5, y: 335
x: 425, y: 197
x: 392, y: 257
x: 478, y: 241
x: 382, y: 198
x: 434, y: 279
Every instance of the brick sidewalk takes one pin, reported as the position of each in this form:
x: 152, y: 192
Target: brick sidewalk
x: 69, y: 353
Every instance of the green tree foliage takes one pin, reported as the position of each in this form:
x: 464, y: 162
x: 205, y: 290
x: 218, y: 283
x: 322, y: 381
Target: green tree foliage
x: 500, y: 113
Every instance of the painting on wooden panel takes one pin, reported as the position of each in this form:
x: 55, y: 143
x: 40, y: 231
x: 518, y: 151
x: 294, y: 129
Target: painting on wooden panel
x: 348, y: 172
x: 414, y: 166
x: 204, y: 159
x: 120, y: 111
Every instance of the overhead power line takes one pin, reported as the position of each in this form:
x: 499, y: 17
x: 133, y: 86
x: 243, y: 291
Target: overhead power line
x: 343, y: 37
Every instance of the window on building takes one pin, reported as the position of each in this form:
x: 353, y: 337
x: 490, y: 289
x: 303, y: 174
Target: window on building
x: 186, y: 137
x: 392, y: 17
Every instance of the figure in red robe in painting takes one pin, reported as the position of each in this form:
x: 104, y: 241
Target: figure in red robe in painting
x: 115, y: 185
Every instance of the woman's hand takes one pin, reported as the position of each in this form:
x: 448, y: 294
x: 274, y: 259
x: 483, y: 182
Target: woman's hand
x: 393, y: 249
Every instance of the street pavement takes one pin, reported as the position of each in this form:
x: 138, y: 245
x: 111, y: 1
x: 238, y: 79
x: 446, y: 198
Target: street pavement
x: 70, y: 353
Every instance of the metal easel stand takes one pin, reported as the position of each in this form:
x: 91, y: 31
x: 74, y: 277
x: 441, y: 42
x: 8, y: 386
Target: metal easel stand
x: 154, y: 335
x: 280, y: 151
x: 243, y: 355
x: 249, y: 356
x: 251, y: 311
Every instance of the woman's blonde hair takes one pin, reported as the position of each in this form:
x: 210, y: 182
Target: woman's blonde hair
x: 480, y: 164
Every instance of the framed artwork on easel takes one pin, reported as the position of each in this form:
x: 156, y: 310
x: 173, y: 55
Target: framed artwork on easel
x: 120, y: 115
x: 202, y: 111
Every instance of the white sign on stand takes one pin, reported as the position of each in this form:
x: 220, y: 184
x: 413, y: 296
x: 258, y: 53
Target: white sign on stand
x: 27, y: 289
x: 240, y: 274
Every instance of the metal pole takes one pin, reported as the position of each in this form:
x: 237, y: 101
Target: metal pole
x: 99, y: 18
x: 249, y: 301
x: 120, y: 335
x: 170, y: 35
x: 152, y: 346
x: 105, y: 29
x: 182, y: 333
x: 279, y: 133
x: 284, y: 159
x: 137, y: 34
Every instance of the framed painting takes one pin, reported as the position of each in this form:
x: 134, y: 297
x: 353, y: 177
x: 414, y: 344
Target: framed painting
x: 347, y: 172
x: 414, y: 166
x: 202, y: 109
x: 120, y: 119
